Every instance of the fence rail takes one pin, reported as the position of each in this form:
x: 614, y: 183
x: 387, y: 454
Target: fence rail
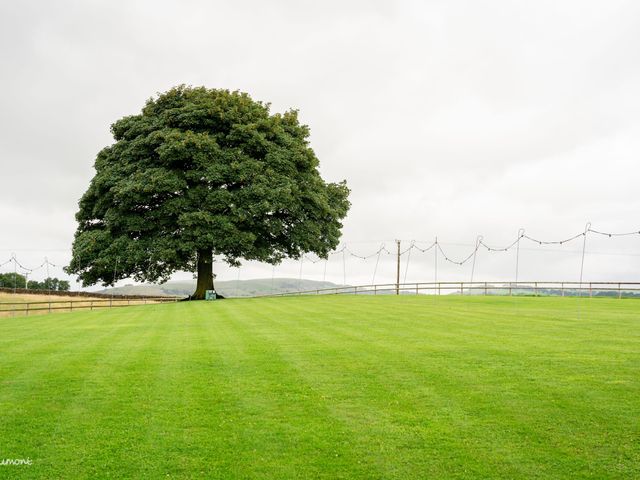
x: 46, y: 306
x: 564, y: 289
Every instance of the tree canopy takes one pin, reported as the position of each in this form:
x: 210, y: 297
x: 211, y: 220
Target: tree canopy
x: 202, y: 172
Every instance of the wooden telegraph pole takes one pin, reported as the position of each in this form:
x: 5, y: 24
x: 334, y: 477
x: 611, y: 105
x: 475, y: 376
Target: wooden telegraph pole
x: 398, y: 269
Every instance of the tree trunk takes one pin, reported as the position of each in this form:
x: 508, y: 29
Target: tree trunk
x: 205, y: 274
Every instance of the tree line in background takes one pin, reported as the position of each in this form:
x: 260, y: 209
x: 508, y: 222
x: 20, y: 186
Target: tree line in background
x: 15, y: 280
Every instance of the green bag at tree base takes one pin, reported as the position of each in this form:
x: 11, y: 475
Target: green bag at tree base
x: 210, y: 295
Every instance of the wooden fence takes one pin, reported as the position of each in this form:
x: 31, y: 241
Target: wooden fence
x: 51, y: 306
x: 563, y: 289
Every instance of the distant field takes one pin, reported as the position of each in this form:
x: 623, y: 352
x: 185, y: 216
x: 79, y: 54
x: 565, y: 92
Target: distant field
x: 40, y: 297
x: 8, y: 310
x: 326, y: 387
x: 12, y: 305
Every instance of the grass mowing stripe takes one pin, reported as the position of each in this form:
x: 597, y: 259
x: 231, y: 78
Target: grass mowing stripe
x: 24, y: 379
x: 534, y: 389
x: 376, y: 408
x: 363, y: 406
x: 290, y: 433
x: 359, y: 413
x: 79, y: 390
x: 185, y: 398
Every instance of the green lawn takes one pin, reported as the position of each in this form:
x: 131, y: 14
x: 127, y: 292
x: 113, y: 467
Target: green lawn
x: 326, y: 387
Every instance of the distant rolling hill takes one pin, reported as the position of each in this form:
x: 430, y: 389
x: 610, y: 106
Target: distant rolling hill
x: 230, y: 288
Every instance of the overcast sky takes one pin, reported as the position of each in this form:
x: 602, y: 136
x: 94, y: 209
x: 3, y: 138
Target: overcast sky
x: 450, y: 118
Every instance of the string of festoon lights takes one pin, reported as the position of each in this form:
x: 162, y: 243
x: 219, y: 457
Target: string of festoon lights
x: 26, y: 271
x: 479, y: 243
x: 437, y: 246
x: 419, y: 246
x: 13, y: 259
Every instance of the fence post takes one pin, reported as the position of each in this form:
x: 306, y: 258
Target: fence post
x: 619, y: 292
x: 71, y: 305
x: 416, y: 289
x: 461, y: 288
x: 27, y: 309
x: 535, y: 289
x: 562, y: 289
x: 590, y: 290
x: 398, y: 269
x: 485, y: 289
x: 91, y: 305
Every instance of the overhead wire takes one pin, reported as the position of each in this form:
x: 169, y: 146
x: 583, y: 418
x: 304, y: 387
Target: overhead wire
x: 414, y: 245
x: 613, y: 234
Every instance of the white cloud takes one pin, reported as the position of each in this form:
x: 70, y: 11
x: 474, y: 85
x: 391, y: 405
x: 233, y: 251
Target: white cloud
x: 450, y: 118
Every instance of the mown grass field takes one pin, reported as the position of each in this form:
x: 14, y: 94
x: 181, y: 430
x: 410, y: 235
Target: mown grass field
x: 329, y: 387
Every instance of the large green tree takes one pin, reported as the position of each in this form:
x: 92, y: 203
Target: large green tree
x: 203, y: 172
